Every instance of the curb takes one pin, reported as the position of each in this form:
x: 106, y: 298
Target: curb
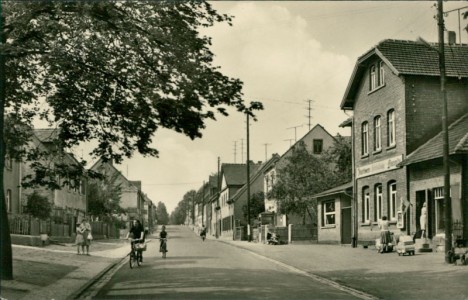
x: 357, y: 293
x: 81, y: 290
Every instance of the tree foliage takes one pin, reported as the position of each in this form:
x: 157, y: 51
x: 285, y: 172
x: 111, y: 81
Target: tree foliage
x: 110, y: 72
x: 340, y: 156
x: 38, y: 206
x: 299, y: 179
x: 256, y: 205
x: 161, y: 214
x: 184, y: 208
x: 104, y: 197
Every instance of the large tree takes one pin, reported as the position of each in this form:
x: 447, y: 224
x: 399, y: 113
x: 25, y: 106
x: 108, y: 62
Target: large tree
x: 340, y: 156
x: 104, y: 197
x: 109, y: 72
x: 302, y: 176
x: 161, y: 214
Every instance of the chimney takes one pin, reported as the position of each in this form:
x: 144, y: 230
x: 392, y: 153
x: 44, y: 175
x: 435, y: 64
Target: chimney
x: 451, y: 37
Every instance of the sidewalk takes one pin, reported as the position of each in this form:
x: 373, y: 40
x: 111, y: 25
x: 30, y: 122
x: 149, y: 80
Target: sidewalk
x: 57, y: 272
x: 385, y: 276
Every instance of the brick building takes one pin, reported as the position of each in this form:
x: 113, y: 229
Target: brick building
x: 394, y: 95
x: 426, y: 181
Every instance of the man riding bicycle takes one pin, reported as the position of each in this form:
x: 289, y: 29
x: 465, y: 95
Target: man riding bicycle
x: 138, y: 234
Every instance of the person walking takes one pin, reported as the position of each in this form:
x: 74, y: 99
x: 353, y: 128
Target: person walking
x: 87, y: 235
x: 79, y: 238
x: 385, y: 237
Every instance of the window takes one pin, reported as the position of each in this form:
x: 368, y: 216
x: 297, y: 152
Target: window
x: 365, y: 138
x: 391, y: 128
x: 377, y: 134
x: 318, y: 146
x: 365, y: 204
x: 328, y: 213
x: 373, y: 78
x: 381, y: 74
x: 392, y: 196
x: 8, y: 200
x: 378, y: 202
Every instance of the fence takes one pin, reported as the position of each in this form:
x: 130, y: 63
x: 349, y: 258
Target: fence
x: 306, y: 232
x: 105, y: 230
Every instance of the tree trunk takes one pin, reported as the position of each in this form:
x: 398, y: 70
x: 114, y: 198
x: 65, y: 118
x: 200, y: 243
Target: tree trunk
x: 6, y: 257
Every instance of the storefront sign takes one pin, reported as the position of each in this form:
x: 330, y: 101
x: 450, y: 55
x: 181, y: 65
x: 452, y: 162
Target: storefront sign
x: 379, y: 166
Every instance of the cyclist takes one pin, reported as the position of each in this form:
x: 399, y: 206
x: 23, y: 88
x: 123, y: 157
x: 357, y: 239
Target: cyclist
x: 163, y: 239
x: 138, y: 234
x: 203, y: 232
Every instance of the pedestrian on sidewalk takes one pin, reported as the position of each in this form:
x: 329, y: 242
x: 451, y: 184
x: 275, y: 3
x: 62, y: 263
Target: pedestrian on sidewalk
x: 79, y: 238
x: 87, y: 236
x: 385, y: 237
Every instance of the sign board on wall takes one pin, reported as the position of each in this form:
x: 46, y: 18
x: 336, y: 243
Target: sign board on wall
x: 379, y: 166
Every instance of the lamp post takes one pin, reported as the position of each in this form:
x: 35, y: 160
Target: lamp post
x: 445, y: 152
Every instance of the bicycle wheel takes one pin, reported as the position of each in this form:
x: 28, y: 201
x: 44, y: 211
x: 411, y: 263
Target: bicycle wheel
x: 132, y: 260
x: 138, y: 258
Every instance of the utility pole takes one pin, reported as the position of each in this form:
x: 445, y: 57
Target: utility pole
x: 266, y: 151
x: 309, y: 117
x: 249, y: 233
x: 446, y: 167
x: 203, y: 204
x: 295, y: 131
x: 459, y: 23
x: 242, y: 149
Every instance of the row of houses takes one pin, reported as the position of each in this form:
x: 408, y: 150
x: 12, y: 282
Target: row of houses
x: 396, y: 137
x: 220, y: 203
x: 70, y: 202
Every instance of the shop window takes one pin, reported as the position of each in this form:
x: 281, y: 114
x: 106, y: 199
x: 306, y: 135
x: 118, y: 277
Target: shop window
x: 378, y: 202
x: 328, y: 213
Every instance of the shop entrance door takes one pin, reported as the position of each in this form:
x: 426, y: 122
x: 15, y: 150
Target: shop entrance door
x: 346, y: 225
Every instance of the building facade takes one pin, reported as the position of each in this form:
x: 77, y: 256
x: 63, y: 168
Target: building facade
x: 394, y: 95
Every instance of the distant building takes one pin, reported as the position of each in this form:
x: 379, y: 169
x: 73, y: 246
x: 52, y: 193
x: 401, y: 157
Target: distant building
x: 317, y: 141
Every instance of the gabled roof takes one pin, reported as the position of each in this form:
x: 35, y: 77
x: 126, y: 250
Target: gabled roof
x: 259, y: 172
x: 305, y: 136
x: 46, y: 136
x: 114, y: 170
x: 458, y: 143
x: 236, y: 174
x: 408, y: 58
x: 336, y: 190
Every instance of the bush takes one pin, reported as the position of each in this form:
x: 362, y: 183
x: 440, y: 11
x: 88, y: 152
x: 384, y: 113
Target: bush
x: 38, y: 206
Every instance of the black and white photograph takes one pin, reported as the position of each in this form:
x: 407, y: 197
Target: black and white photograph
x: 195, y: 149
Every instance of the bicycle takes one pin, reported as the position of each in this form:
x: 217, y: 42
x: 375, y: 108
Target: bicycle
x: 163, y: 247
x: 136, y: 256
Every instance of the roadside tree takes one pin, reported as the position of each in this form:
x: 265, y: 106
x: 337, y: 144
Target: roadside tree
x: 302, y: 176
x: 112, y: 73
x: 161, y: 214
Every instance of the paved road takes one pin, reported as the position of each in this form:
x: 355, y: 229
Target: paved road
x: 195, y: 269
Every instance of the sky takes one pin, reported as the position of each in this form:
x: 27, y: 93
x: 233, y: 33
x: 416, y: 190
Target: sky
x: 286, y: 53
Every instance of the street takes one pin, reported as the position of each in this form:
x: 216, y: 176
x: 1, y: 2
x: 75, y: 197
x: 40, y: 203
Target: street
x: 195, y: 269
